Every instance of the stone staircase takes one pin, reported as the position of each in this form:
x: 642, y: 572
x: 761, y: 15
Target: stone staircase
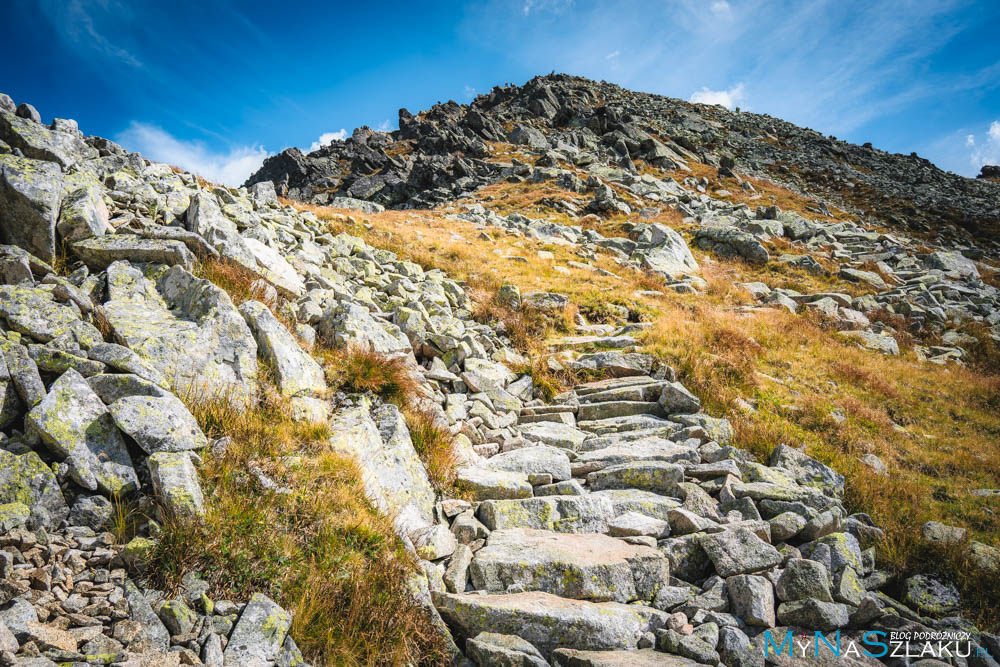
x: 626, y: 529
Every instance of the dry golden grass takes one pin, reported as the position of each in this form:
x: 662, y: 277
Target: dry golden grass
x: 321, y: 551
x: 937, y: 428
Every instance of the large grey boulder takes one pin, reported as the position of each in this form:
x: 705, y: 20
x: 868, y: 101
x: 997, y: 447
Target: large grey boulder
x: 803, y: 579
x: 273, y: 266
x: 76, y: 426
x: 615, y: 363
x: 806, y: 470
x: 351, y: 324
x: 676, y: 399
x: 393, y: 476
x: 486, y: 484
x: 953, y: 263
x: 158, y: 423
x: 582, y: 567
x: 548, y: 621
x: 555, y: 434
x: 205, y: 218
x: 30, y: 195
x: 727, y: 240
x: 564, y: 514
x: 538, y: 460
x: 153, y: 635
x: 751, y: 598
x: 257, y: 638
x: 40, y: 143
x: 295, y: 371
x: 100, y: 251
x: 490, y: 648
x: 175, y: 483
x: 125, y: 360
x: 35, y: 312
x: 20, y: 377
x: 739, y: 551
x: 670, y: 256
x: 185, y: 327
x: 83, y: 215
x: 26, y: 479
x: 655, y: 476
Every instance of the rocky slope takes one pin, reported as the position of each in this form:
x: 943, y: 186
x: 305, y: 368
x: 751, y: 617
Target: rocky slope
x: 614, y: 524
x: 446, y: 150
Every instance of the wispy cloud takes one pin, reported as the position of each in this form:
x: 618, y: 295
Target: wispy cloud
x: 325, y: 139
x: 385, y: 126
x: 230, y: 167
x: 470, y: 93
x: 76, y: 21
x: 613, y: 55
x: 727, y: 98
x: 986, y: 151
x: 722, y: 10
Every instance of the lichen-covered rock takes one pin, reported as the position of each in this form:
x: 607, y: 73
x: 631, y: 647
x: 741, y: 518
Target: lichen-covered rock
x: 186, y: 327
x: 100, y: 251
x: 30, y: 194
x: 540, y: 459
x: 490, y: 648
x: 34, y: 312
x: 739, y: 551
x: 259, y: 634
x: 41, y: 143
x: 393, y: 475
x: 125, y: 360
x: 583, y: 567
x: 175, y: 483
x: 83, y: 215
x: 26, y: 479
x: 549, y: 622
x: 76, y: 426
x: 485, y: 484
x: 351, y: 324
x: 295, y: 371
x: 19, y: 373
x: 158, y: 423
x: 205, y: 218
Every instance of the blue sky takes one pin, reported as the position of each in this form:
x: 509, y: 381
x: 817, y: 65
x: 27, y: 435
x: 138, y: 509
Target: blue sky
x: 216, y: 85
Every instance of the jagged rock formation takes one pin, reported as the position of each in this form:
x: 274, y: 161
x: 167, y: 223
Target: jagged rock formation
x: 443, y: 152
x: 615, y: 524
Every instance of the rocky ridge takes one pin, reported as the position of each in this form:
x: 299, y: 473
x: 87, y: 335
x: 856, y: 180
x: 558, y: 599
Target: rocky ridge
x: 615, y: 524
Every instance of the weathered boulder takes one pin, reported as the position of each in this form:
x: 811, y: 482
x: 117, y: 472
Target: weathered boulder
x: 185, y: 327
x: 257, y: 638
x: 35, y: 312
x: 175, y: 483
x: 486, y: 484
x: 739, y: 551
x: 158, y: 423
x: 351, y: 324
x: 294, y: 370
x: 26, y: 479
x: 205, y: 218
x: 40, y: 143
x: 75, y: 424
x: 100, y: 251
x: 538, y: 460
x: 83, y: 215
x: 394, y: 477
x: 30, y: 195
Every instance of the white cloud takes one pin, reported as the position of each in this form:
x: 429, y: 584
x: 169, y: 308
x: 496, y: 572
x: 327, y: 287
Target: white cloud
x: 989, y: 151
x: 385, y: 126
x: 722, y: 10
x: 727, y: 98
x: 326, y: 138
x: 612, y: 55
x: 157, y: 144
x: 470, y: 93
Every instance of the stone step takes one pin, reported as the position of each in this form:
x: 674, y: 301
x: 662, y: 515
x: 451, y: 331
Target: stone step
x: 588, y: 513
x: 607, y: 409
x: 554, y: 434
x: 484, y: 484
x: 591, y: 567
x: 624, y: 424
x: 655, y: 476
x: 611, y: 383
x: 646, y: 657
x: 567, y: 418
x: 601, y: 441
x: 654, y: 449
x: 548, y: 621
x: 648, y: 392
x: 615, y: 342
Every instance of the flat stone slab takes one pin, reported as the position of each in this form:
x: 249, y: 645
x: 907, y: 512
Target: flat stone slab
x: 646, y: 657
x: 606, y: 409
x: 655, y: 476
x: 100, y: 251
x: 739, y: 551
x: 540, y: 459
x: 485, y: 484
x: 561, y: 514
x: 553, y: 433
x: 625, y: 424
x: 654, y: 449
x: 582, y: 567
x: 548, y: 621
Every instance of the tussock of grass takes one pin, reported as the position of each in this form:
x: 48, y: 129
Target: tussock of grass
x: 434, y: 446
x: 361, y: 370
